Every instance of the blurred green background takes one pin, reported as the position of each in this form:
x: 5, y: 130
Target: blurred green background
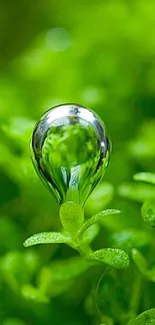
x: 101, y: 55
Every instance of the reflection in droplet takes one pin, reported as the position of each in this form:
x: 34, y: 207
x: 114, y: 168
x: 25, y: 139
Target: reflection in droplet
x: 70, y: 151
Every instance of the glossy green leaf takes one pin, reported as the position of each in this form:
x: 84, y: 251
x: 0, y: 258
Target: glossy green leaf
x: 46, y: 238
x: 146, y: 318
x: 111, y: 256
x: 96, y: 218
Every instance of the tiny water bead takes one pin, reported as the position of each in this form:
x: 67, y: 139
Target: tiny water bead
x: 70, y: 151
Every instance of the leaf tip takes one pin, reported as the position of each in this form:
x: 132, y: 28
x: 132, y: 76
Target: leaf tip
x: 26, y: 243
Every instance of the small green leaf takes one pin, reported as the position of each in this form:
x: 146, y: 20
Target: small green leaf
x: 72, y: 217
x: 91, y: 233
x: 111, y: 256
x: 145, y: 177
x: 96, y: 218
x: 146, y: 318
x: 47, y: 238
x: 32, y: 260
x: 148, y: 212
x: 137, y: 192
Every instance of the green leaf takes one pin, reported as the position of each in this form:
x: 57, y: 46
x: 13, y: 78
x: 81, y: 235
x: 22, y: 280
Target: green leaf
x: 31, y: 293
x: 111, y: 256
x: 148, y: 212
x: 146, y: 318
x: 140, y: 261
x: 91, y: 233
x: 142, y: 265
x: 72, y: 217
x: 15, y: 269
x: 136, y: 192
x: 96, y: 218
x: 145, y: 177
x: 130, y: 238
x: 46, y: 238
x: 32, y: 260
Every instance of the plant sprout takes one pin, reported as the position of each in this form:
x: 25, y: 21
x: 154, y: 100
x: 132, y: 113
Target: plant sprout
x: 70, y: 152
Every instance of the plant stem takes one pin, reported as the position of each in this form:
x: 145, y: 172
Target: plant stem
x: 84, y: 249
x: 135, y: 296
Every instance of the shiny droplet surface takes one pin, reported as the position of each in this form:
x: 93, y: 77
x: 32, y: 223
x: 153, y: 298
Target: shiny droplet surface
x: 70, y: 151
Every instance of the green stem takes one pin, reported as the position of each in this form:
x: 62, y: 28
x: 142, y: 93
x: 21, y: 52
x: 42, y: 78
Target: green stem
x: 84, y: 249
x: 135, y: 296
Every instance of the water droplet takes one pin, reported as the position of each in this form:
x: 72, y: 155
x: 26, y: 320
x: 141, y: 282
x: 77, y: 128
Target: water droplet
x: 70, y: 151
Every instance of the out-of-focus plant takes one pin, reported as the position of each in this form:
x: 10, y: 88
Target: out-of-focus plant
x: 100, y: 54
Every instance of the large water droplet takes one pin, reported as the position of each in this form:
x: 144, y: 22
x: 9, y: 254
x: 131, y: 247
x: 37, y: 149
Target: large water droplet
x: 70, y: 151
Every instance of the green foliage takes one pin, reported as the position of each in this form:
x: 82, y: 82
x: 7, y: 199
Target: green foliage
x: 111, y: 256
x: 96, y: 218
x: 145, y: 177
x: 99, y: 198
x: 18, y: 268
x: 140, y: 261
x: 146, y: 318
x: 72, y: 217
x: 143, y: 266
x: 60, y: 276
x: 101, y: 55
x: 137, y: 192
x: 129, y: 238
x: 46, y: 238
x: 31, y: 293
